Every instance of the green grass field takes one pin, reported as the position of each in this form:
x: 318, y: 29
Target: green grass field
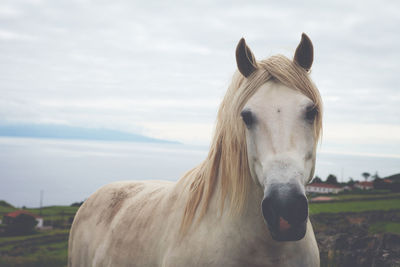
x: 355, y: 206
x: 41, y: 249
x: 56, y: 212
x: 385, y: 227
x: 365, y: 196
x: 49, y: 248
x: 53, y: 213
x: 4, y: 210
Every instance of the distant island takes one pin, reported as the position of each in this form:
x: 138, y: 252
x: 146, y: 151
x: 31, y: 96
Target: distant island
x: 78, y: 133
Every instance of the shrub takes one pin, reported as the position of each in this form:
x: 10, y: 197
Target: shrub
x: 22, y: 224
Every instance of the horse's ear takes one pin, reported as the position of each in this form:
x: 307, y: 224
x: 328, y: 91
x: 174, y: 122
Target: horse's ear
x: 245, y: 60
x: 304, y: 54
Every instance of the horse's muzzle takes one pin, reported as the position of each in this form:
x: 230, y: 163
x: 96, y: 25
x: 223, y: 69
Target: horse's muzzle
x: 285, y: 210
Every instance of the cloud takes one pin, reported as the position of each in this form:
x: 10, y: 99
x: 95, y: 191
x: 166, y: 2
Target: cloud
x: 161, y: 68
x: 9, y: 12
x: 374, y: 134
x: 10, y: 36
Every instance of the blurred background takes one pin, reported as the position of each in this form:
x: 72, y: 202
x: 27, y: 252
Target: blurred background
x: 99, y: 91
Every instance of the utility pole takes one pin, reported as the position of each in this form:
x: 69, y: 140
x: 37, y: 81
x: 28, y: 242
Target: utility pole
x: 342, y: 174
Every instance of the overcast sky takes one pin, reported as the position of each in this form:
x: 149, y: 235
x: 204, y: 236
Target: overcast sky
x: 160, y: 68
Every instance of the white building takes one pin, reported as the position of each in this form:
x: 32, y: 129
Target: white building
x: 322, y: 188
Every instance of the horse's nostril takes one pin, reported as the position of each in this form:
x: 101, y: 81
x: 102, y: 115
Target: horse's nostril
x: 299, y: 210
x: 293, y: 209
x: 304, y: 207
x: 268, y: 211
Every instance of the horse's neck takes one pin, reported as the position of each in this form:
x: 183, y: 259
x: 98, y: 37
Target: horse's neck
x: 251, y: 214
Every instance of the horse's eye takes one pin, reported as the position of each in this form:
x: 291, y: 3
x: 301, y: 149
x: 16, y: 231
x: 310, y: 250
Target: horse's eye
x: 311, y: 113
x: 247, y: 117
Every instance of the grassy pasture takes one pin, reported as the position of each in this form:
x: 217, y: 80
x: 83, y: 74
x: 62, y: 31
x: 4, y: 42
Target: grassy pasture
x: 51, y: 213
x: 355, y: 206
x: 365, y: 196
x: 49, y: 248
x: 385, y: 227
x: 41, y: 249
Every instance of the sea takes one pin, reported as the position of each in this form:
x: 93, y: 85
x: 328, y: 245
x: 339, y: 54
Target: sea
x: 66, y: 171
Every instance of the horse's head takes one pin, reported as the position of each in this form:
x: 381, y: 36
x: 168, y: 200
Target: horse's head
x: 281, y: 120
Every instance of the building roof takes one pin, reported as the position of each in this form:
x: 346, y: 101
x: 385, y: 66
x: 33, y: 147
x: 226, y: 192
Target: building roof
x: 366, y: 184
x: 14, y: 214
x: 324, y: 185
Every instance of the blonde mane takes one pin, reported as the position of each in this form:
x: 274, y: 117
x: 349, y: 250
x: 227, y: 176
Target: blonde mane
x: 227, y: 162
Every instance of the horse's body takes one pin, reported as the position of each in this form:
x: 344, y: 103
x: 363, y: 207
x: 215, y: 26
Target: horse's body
x: 157, y: 223
x: 137, y: 224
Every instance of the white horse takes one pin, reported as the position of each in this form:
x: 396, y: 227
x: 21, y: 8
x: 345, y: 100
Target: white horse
x: 245, y: 205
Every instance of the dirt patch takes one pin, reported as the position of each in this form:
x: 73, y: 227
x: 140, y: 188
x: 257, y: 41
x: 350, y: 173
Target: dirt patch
x: 321, y: 199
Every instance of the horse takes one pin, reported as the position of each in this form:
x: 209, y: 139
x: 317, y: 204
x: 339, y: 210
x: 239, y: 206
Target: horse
x: 244, y: 205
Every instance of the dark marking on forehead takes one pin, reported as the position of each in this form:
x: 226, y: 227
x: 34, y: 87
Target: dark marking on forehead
x: 278, y: 110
